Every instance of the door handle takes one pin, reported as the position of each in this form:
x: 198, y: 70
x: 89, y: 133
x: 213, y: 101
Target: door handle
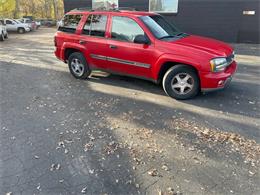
x: 112, y: 46
x: 82, y: 42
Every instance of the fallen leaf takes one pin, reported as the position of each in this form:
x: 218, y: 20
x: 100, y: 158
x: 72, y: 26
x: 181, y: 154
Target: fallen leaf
x: 170, y: 191
x: 153, y: 172
x: 164, y: 167
x: 84, y: 190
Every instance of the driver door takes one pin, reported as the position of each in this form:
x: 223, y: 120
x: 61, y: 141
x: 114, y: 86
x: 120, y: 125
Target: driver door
x: 10, y: 25
x: 124, y: 55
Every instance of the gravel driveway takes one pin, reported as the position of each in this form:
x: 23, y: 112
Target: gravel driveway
x: 119, y: 135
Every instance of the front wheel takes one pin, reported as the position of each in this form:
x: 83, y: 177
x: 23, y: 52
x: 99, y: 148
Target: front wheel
x: 181, y: 82
x: 6, y: 36
x: 78, y: 66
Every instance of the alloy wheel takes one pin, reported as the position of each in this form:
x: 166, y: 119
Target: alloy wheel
x: 182, y: 83
x: 77, y: 67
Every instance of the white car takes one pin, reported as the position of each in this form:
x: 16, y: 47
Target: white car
x: 13, y: 25
x: 3, y: 31
x: 31, y: 23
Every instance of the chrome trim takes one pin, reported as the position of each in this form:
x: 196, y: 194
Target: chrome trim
x: 99, y: 57
x: 143, y: 65
x: 117, y: 60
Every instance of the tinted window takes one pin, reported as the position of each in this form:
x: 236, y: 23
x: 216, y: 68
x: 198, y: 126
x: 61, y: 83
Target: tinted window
x: 95, y: 25
x: 125, y: 29
x: 69, y: 23
x: 8, y: 22
x: 86, y: 29
x: 159, y: 26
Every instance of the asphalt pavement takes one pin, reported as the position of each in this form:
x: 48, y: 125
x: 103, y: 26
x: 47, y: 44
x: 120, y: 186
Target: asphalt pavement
x: 118, y: 135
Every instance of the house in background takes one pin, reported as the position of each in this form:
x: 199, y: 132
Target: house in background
x: 227, y: 20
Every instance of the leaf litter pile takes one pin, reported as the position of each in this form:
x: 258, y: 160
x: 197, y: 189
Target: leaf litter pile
x: 248, y: 148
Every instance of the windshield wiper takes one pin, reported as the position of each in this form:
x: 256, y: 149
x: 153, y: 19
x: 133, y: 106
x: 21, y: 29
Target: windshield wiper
x: 168, y: 36
x: 179, y: 34
x: 172, y: 36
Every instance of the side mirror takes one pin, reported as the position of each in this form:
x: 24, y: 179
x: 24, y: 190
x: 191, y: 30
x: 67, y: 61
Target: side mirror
x: 141, y: 39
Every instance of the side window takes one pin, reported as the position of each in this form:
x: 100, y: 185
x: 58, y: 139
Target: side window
x: 86, y: 29
x: 69, y: 23
x: 9, y: 22
x: 125, y: 29
x: 95, y: 25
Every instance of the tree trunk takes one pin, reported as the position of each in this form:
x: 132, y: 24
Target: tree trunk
x: 55, y: 8
x: 16, y: 11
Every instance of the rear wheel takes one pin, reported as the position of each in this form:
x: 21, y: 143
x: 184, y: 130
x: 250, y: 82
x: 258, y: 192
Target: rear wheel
x: 2, y: 37
x: 78, y: 66
x: 21, y: 30
x: 181, y: 82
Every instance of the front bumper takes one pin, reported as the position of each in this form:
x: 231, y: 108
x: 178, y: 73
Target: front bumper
x: 216, y: 81
x: 27, y: 29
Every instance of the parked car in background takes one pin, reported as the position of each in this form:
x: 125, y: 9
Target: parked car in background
x: 31, y: 23
x: 59, y: 23
x: 16, y: 26
x: 38, y: 24
x: 3, y: 31
x: 48, y: 22
x: 143, y: 45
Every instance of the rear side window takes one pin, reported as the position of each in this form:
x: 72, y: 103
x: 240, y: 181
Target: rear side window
x: 70, y: 23
x: 125, y: 29
x: 95, y: 25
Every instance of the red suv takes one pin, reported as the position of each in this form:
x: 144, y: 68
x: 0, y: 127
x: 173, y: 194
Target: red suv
x: 143, y: 45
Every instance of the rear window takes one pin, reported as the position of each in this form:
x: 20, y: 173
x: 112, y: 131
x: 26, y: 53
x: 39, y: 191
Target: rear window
x: 95, y: 25
x: 70, y: 23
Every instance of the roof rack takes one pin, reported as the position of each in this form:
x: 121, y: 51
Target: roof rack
x: 128, y: 8
x: 105, y: 9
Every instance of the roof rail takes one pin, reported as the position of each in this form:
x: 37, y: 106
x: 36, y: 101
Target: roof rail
x: 128, y: 8
x: 105, y: 9
x: 82, y: 9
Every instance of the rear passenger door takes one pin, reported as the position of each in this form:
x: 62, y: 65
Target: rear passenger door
x: 94, y: 39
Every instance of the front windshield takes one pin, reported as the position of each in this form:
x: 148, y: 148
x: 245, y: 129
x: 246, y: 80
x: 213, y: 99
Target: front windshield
x: 160, y: 27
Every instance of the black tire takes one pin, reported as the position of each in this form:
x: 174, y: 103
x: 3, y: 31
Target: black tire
x: 6, y: 36
x: 2, y: 37
x: 176, y: 72
x: 21, y: 30
x: 85, y: 68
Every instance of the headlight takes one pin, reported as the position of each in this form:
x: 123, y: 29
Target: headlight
x: 218, y: 64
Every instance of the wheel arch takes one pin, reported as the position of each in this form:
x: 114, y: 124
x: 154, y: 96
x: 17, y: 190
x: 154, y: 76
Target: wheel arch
x: 69, y: 51
x: 169, y: 64
x: 68, y: 48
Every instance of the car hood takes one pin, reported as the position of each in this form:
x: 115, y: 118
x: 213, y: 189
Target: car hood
x: 209, y: 45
